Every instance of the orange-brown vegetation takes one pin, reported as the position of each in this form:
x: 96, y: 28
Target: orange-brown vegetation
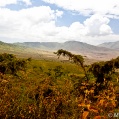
x: 31, y: 89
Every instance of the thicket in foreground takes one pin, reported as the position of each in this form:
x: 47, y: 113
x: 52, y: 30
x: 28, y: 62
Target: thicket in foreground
x: 41, y: 96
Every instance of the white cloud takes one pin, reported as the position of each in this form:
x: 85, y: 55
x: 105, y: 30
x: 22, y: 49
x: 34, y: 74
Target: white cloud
x: 105, y: 29
x: 59, y: 13
x: 27, y: 2
x: 31, y: 23
x: 94, y: 26
x: 3, y: 3
x: 97, y: 25
x: 7, y: 2
x: 88, y: 7
x: 94, y: 29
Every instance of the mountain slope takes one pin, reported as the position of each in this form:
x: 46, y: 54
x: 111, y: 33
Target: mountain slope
x: 69, y: 45
x: 111, y: 45
x: 92, y: 52
x: 41, y: 49
x: 42, y: 45
x: 11, y: 47
x: 82, y: 47
x: 18, y: 50
x: 26, y: 50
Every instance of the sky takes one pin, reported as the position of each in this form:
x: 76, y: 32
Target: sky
x: 89, y: 21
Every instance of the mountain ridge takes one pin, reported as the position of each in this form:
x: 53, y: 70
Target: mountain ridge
x: 111, y: 45
x: 84, y: 49
x: 66, y: 45
x: 91, y: 51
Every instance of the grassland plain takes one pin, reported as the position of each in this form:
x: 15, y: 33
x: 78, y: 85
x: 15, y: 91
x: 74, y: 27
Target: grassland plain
x: 54, y: 89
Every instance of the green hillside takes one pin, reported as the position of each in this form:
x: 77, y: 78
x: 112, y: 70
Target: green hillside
x: 7, y: 47
x: 23, y: 51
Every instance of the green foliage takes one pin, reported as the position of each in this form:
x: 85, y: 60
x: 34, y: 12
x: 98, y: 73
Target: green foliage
x: 6, y: 57
x: 104, y: 71
x: 56, y: 72
x: 9, y: 64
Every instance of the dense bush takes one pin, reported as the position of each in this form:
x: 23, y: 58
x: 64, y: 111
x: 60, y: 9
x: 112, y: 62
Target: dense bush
x: 9, y: 64
x: 104, y: 72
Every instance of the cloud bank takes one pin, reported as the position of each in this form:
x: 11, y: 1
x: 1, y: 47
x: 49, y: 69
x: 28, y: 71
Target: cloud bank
x: 39, y: 23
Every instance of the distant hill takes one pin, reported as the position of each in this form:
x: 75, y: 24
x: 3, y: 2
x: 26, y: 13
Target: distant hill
x: 93, y: 52
x: 82, y: 47
x: 11, y: 47
x: 69, y: 45
x: 7, y: 47
x: 46, y: 49
x: 111, y: 45
x: 26, y: 50
x: 42, y: 45
x: 18, y: 50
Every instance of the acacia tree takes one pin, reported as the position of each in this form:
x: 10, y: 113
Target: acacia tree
x: 102, y: 70
x: 77, y: 59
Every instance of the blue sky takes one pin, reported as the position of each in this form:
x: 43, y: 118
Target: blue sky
x: 90, y: 21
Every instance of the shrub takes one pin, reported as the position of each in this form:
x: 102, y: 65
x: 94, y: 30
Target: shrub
x: 9, y: 64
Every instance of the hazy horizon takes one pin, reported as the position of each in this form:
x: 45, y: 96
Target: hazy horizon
x: 57, y: 42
